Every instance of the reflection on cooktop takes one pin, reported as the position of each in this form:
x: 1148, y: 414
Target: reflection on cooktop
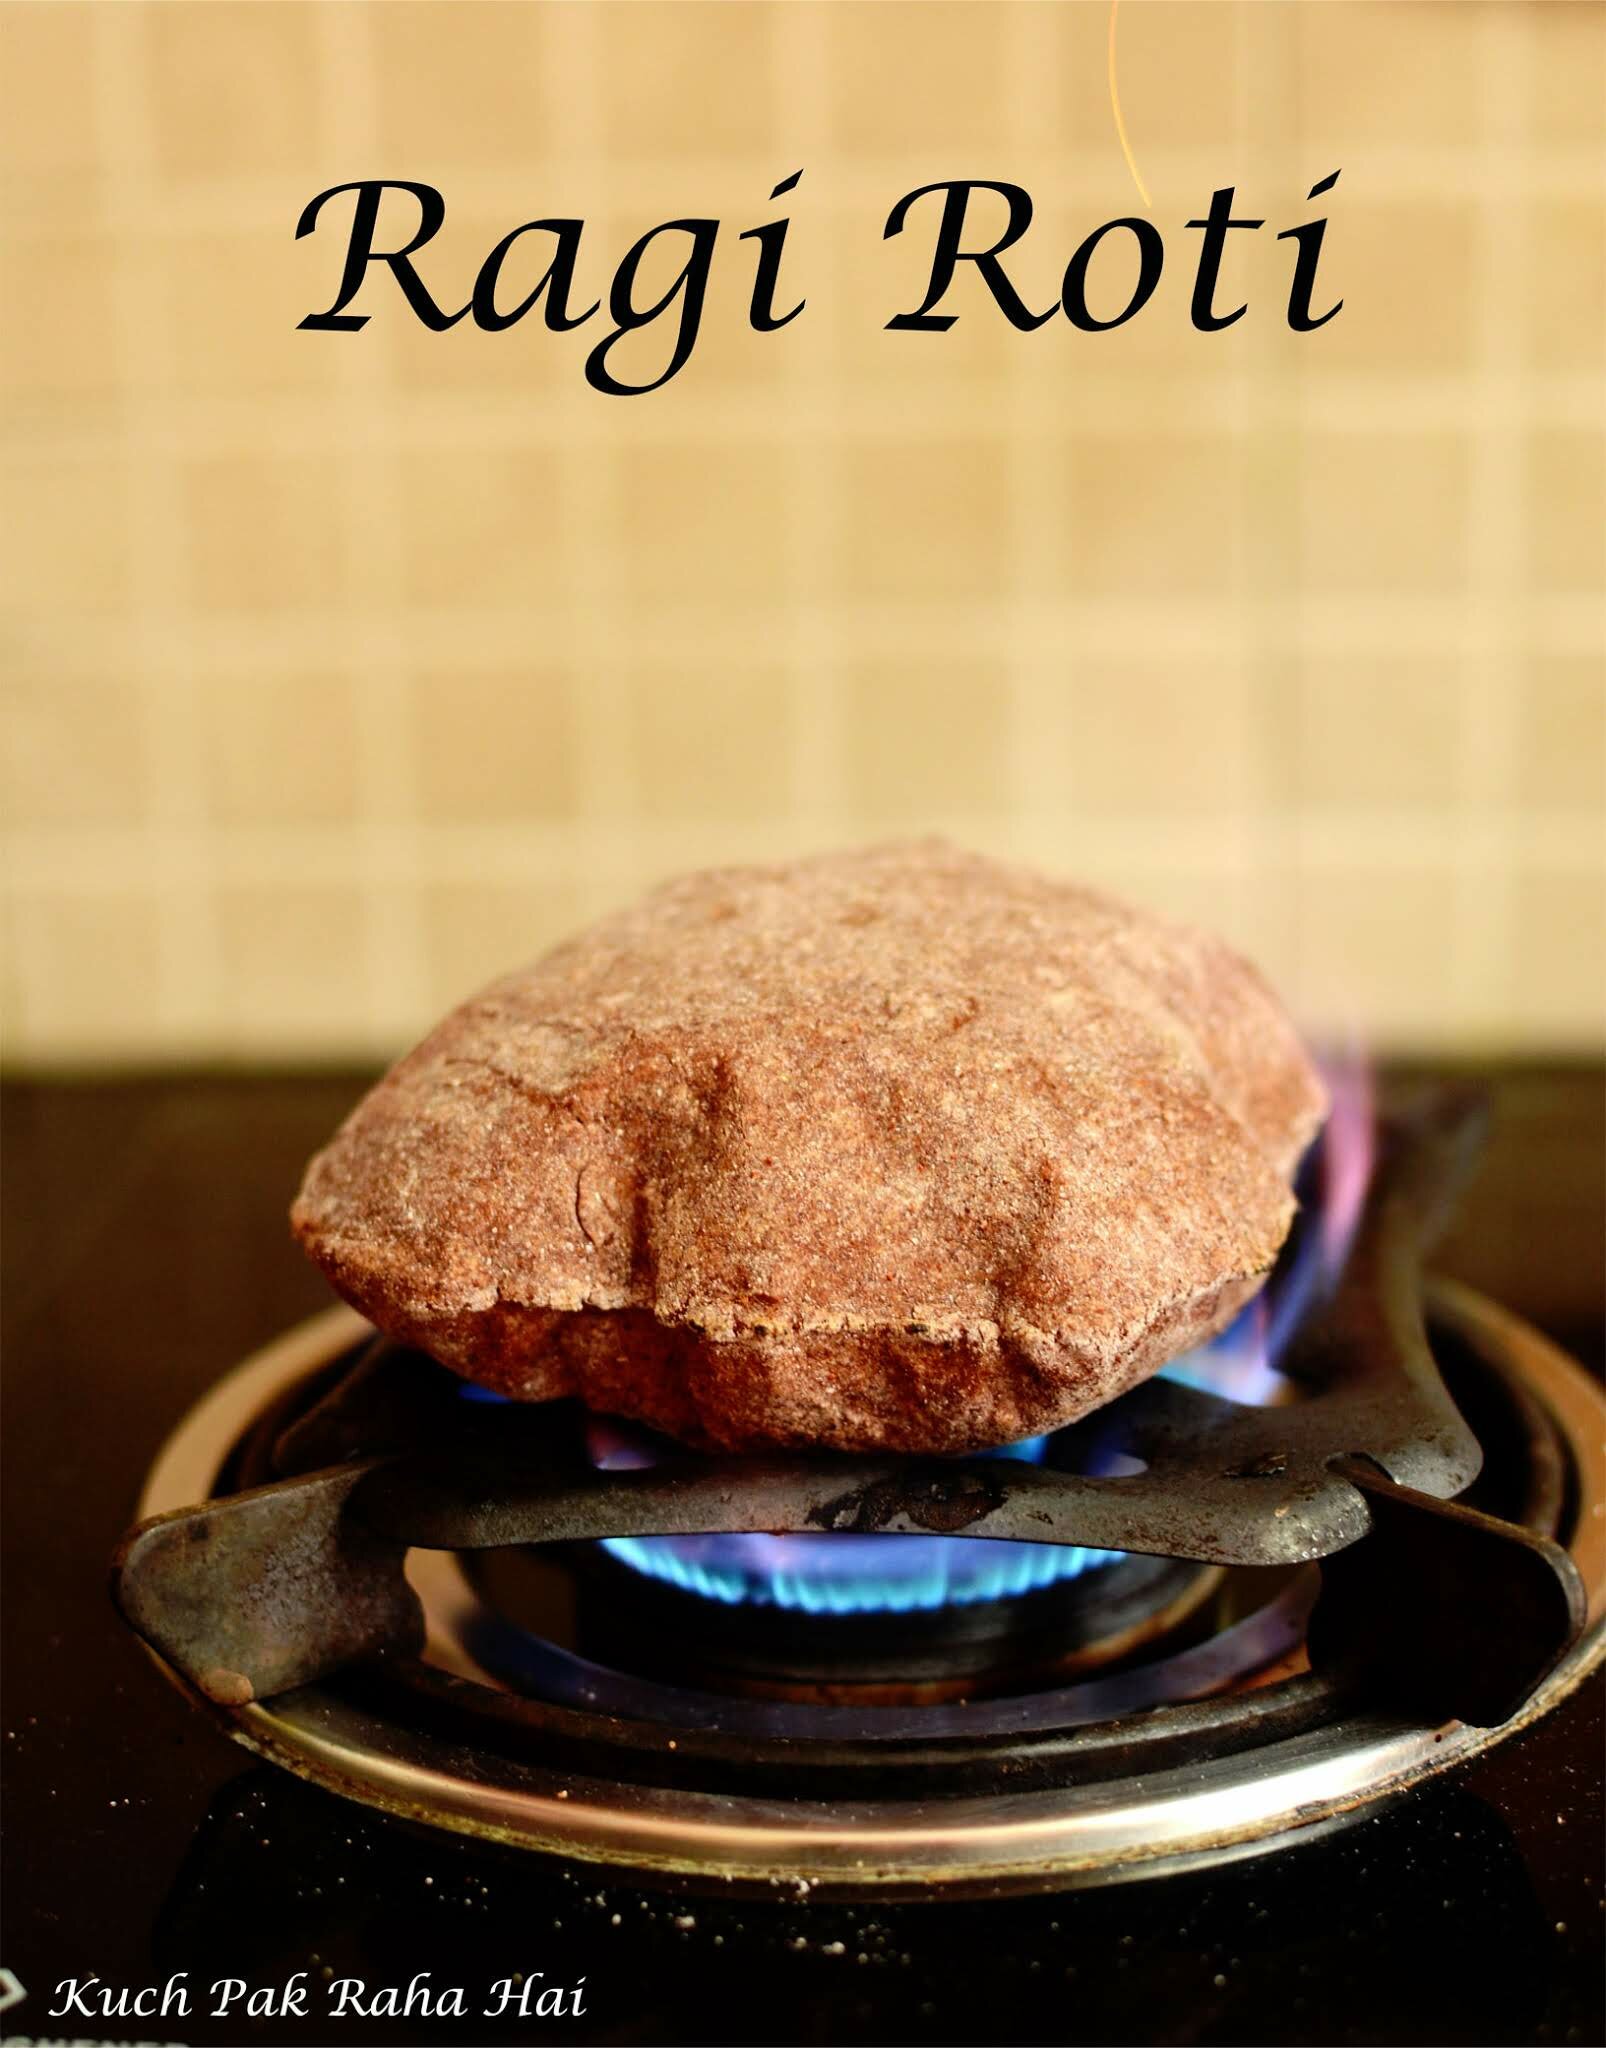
x: 1420, y: 1925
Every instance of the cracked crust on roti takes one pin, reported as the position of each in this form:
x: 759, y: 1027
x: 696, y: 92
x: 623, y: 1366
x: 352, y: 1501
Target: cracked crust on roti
x: 895, y: 1149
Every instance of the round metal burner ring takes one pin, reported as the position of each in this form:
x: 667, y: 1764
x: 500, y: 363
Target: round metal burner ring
x: 1212, y: 1809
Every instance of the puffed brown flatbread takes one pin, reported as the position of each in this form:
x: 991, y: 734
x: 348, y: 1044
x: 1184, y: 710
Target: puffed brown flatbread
x: 899, y: 1148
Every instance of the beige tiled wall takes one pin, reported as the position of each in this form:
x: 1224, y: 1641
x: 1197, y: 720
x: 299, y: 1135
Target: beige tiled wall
x: 343, y: 671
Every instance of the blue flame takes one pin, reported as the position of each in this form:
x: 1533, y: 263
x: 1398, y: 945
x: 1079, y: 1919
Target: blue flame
x: 853, y: 1574
x: 845, y: 1574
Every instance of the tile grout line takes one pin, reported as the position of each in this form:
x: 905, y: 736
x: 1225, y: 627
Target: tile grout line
x: 1483, y: 956
x: 191, y: 977
x: 375, y: 645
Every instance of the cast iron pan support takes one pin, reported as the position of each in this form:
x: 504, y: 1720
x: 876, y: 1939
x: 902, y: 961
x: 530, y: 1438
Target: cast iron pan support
x: 1454, y: 1614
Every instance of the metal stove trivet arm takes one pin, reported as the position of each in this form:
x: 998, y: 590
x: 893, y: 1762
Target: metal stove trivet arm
x: 254, y: 1593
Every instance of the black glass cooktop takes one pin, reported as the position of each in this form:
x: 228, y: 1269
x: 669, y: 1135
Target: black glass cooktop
x: 145, y: 1250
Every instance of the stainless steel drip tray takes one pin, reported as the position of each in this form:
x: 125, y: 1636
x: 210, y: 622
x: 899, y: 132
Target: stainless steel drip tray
x: 1095, y: 1833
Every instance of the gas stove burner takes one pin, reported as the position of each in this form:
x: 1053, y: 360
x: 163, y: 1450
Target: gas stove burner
x: 1219, y: 1749
x: 1182, y: 1702
x: 973, y: 1652
x: 888, y: 1618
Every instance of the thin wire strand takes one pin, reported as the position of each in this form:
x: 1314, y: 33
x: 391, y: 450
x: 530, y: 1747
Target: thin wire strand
x: 1120, y: 119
